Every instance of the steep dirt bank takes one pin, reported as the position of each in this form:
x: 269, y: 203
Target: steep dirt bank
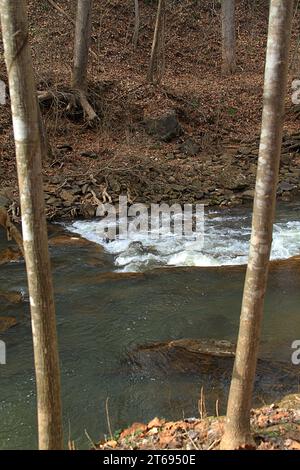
x: 192, y: 139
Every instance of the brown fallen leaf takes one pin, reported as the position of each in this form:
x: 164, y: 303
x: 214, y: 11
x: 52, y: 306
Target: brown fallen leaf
x: 156, y: 423
x: 291, y: 444
x: 113, y: 444
x: 134, y: 429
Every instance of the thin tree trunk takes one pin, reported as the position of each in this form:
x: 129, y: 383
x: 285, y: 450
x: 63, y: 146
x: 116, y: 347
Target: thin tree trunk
x: 135, y: 37
x: 82, y: 43
x: 28, y: 154
x: 237, y: 428
x: 46, y: 148
x: 228, y: 37
x: 156, y: 65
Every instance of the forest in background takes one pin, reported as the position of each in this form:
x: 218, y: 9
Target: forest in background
x: 212, y: 150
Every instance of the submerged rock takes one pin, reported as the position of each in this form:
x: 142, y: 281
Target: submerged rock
x: 12, y: 297
x: 211, y: 361
x: 183, y: 355
x: 73, y: 240
x: 6, y: 323
x: 10, y: 254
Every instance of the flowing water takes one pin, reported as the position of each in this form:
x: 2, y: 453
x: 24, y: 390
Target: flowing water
x: 104, y: 311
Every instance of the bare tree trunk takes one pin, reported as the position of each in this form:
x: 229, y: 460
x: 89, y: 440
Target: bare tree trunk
x: 82, y: 43
x: 46, y: 147
x: 28, y: 154
x: 81, y: 52
x: 228, y: 37
x: 156, y: 66
x: 237, y: 428
x: 135, y: 37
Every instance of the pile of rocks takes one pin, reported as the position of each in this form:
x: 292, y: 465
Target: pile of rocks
x: 186, y: 175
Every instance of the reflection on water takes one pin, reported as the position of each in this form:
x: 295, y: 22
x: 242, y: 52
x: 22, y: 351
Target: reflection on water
x: 101, y: 316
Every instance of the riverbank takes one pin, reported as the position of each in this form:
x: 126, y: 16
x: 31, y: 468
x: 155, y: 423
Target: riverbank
x: 193, y: 139
x: 224, y: 180
x: 274, y: 427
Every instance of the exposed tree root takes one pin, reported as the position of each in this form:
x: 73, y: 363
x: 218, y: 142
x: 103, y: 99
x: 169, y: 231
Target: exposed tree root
x: 71, y: 100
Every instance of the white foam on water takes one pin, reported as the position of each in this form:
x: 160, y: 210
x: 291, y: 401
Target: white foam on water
x: 226, y: 242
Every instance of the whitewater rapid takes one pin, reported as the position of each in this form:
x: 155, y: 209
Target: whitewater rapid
x: 226, y: 242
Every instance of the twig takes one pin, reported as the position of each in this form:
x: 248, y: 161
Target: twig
x: 71, y: 444
x: 90, y: 439
x: 201, y: 405
x: 217, y: 407
x: 107, y: 418
x: 213, y: 444
x: 192, y: 442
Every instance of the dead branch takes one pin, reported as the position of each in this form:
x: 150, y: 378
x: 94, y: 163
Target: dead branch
x: 11, y: 230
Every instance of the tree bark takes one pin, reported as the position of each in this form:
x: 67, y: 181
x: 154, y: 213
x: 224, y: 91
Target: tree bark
x: 82, y: 43
x: 28, y: 155
x: 135, y: 37
x: 237, y: 427
x: 46, y: 148
x: 156, y: 66
x: 228, y: 37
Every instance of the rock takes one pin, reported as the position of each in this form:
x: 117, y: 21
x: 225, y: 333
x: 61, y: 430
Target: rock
x: 88, y: 154
x: 165, y: 127
x: 114, y: 184
x: 88, y: 210
x: 285, y: 158
x: 70, y: 240
x: 189, y: 147
x: 10, y: 254
x: 52, y: 200
x: 65, y: 147
x: 286, y: 196
x: 212, y: 361
x: 285, y: 186
x: 67, y: 196
x: 244, y: 151
x: 4, y: 201
x: 233, y: 180
x: 248, y: 194
x: 6, y: 323
x: 113, y: 277
x: 84, y: 188
x: 11, y: 297
x: 178, y: 188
